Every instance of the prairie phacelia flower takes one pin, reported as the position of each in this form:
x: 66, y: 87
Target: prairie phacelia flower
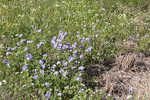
x: 56, y: 73
x: 20, y: 35
x: 81, y: 56
x: 75, y: 51
x: 74, y: 45
x: 82, y: 41
x: 45, y: 55
x: 26, y: 49
x: 65, y: 74
x: 42, y: 72
x: 41, y: 62
x: 81, y: 68
x: 43, y: 66
x: 58, y: 62
x: 73, y: 67
x: 32, y: 84
x: 46, y: 84
x: 65, y: 64
x: 35, y: 77
x: 38, y: 45
x: 71, y: 58
x: 18, y: 44
x: 87, y: 39
x: 47, y: 95
x: 88, y: 49
x: 59, y: 94
x: 25, y: 67
x: 39, y: 30
x: 32, y: 26
x: 28, y: 57
x: 23, y: 40
x: 24, y: 86
x: 81, y: 90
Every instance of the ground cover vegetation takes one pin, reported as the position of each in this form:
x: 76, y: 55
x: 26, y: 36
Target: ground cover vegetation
x: 74, y: 49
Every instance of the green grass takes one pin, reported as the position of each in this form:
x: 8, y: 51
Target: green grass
x: 107, y: 18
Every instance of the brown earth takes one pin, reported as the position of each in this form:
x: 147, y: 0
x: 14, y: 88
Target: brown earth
x: 126, y: 75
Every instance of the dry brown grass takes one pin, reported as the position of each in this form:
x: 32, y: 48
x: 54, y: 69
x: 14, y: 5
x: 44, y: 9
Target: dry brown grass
x: 133, y: 70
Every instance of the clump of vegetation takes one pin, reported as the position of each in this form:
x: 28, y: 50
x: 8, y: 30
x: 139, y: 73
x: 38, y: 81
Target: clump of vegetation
x: 47, y: 48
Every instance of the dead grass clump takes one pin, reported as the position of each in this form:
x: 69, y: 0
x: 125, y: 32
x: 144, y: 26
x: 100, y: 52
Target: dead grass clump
x: 129, y: 71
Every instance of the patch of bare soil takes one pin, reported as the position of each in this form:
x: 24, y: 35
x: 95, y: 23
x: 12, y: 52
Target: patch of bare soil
x: 129, y: 75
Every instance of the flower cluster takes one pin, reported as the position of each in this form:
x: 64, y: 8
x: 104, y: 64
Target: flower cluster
x: 72, y: 54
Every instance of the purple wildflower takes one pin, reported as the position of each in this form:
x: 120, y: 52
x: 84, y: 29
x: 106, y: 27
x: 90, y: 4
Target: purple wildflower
x: 146, y: 35
x: 38, y: 45
x: 26, y: 49
x: 88, y: 49
x: 71, y: 58
x: 61, y: 70
x: 23, y: 40
x: 47, y: 84
x: 64, y: 47
x: 47, y: 95
x: 13, y: 48
x: 25, y: 67
x: 96, y: 35
x: 106, y: 42
x: 53, y: 66
x: 28, y: 57
x: 5, y: 61
x: 43, y: 66
x: 81, y: 90
x: 41, y: 62
x: 42, y: 72
x: 81, y: 68
x: 82, y: 41
x: 81, y: 56
x: 65, y: 64
x: 75, y: 51
x: 35, y: 77
x: 45, y: 55
x: 74, y: 45
x: 8, y: 64
x: 78, y: 78
x: 39, y: 30
x: 32, y: 26
x: 24, y: 86
x: 53, y: 42
x: 87, y: 39
x: 132, y: 89
x: 80, y: 46
x: 8, y: 48
x: 58, y: 62
x: 131, y: 37
x: 73, y: 67
x: 20, y: 35
x: 94, y: 26
x: 56, y: 73
x: 65, y: 74
x: 17, y: 43
x: 8, y: 53
x: 59, y: 94
x: 32, y: 84
x: 65, y: 33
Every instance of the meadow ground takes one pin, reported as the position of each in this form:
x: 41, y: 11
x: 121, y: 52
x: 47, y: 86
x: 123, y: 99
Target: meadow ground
x: 74, y: 49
